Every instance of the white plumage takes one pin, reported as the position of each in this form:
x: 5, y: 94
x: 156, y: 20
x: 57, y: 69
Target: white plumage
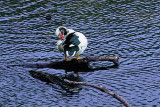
x: 71, y: 42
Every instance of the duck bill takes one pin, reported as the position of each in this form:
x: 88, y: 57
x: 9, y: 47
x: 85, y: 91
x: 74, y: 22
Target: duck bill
x: 61, y: 36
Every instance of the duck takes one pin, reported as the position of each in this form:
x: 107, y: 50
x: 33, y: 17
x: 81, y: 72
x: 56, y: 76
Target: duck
x: 72, y: 43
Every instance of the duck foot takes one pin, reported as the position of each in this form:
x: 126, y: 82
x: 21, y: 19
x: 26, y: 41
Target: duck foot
x: 77, y: 58
x: 67, y: 59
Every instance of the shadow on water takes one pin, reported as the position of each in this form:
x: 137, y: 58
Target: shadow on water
x: 90, y: 69
x: 71, y: 89
x: 52, y: 79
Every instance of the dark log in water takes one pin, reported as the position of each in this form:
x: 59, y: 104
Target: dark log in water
x: 50, y: 78
x: 74, y: 63
x: 102, y: 88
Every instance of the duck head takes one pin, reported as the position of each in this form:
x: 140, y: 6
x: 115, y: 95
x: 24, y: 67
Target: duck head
x: 62, y: 32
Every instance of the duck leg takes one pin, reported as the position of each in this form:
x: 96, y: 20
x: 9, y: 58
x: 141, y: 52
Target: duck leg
x: 77, y: 57
x: 65, y: 55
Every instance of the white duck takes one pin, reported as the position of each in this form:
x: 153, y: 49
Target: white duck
x: 71, y: 42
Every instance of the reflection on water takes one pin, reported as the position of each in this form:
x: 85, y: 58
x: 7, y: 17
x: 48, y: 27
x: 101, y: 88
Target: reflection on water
x: 129, y: 30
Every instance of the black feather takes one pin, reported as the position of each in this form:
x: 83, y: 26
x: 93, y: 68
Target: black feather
x: 71, y: 39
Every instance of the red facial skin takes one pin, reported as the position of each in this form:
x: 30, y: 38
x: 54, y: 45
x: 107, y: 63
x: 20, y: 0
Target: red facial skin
x: 61, y: 36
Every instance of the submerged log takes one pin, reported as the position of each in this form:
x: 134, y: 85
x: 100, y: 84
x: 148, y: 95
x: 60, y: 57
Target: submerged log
x: 51, y: 78
x: 102, y: 88
x: 46, y: 77
x: 74, y: 63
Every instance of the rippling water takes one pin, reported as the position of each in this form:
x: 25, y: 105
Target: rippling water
x: 130, y: 30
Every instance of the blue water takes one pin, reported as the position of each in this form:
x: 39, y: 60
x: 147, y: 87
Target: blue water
x: 130, y: 30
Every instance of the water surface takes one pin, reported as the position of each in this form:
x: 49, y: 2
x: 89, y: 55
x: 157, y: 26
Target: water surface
x: 130, y: 30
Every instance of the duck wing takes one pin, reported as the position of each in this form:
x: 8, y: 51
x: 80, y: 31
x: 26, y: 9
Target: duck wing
x: 71, y: 42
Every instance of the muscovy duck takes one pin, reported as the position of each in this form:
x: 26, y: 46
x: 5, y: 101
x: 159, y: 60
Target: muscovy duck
x: 72, y: 43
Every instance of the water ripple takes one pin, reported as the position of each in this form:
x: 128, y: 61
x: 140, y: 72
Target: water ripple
x: 128, y: 29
